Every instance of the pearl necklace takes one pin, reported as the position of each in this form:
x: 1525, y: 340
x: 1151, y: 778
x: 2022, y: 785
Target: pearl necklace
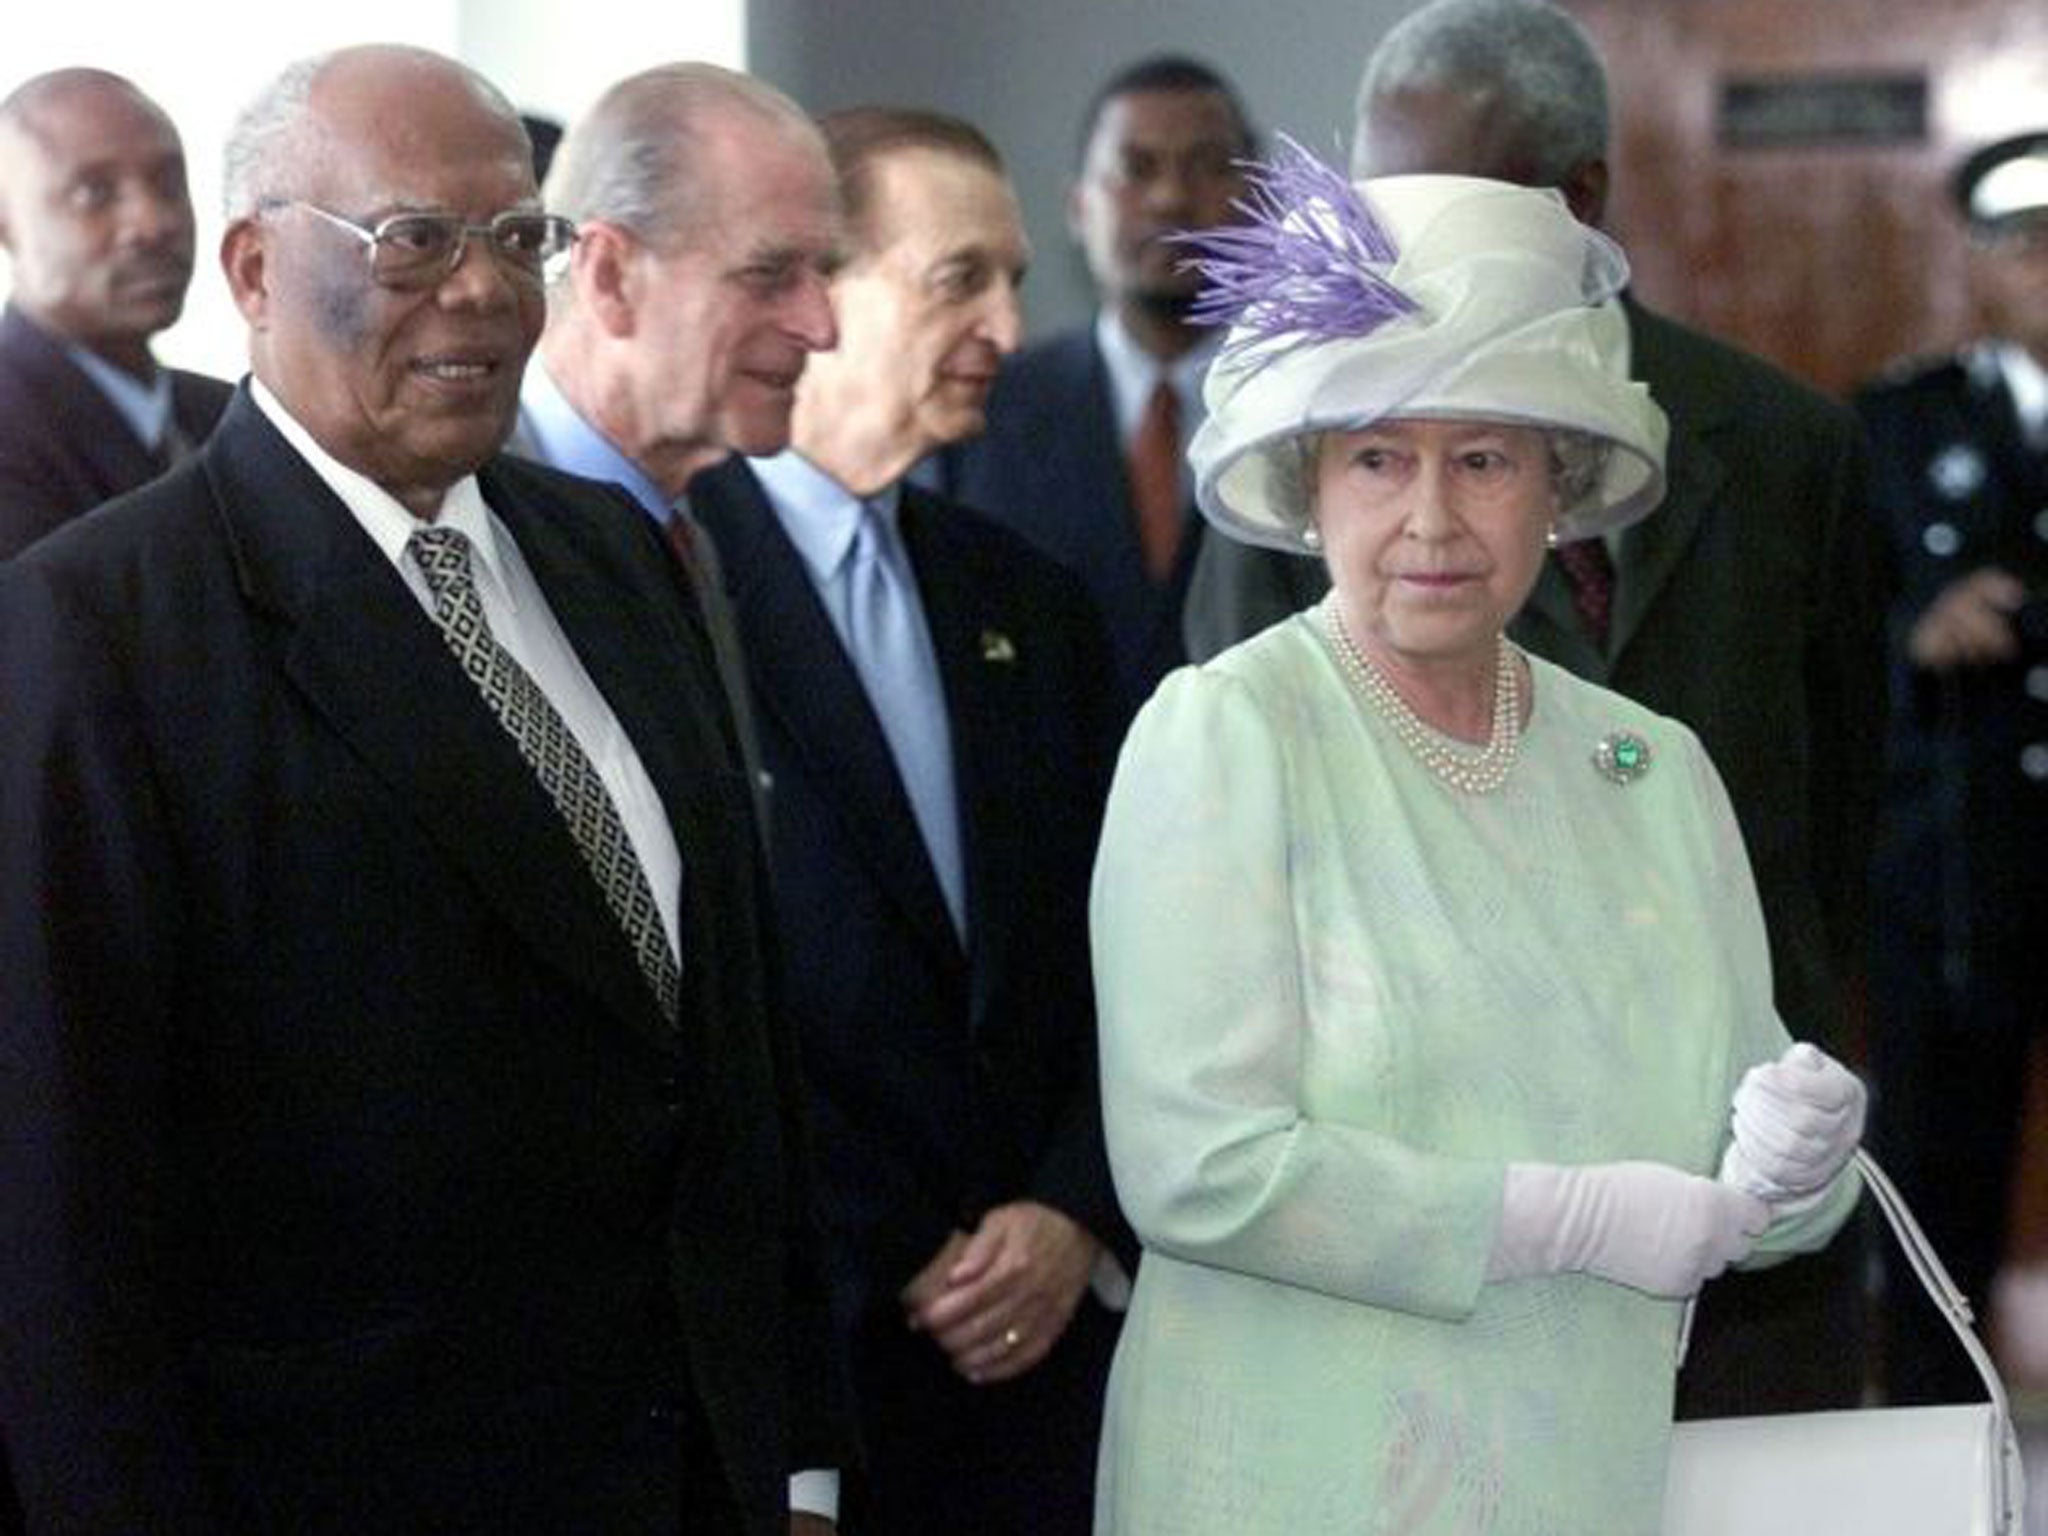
x: 1470, y: 773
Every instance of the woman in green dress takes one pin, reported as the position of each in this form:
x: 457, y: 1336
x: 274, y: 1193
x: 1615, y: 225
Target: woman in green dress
x: 1439, y: 1061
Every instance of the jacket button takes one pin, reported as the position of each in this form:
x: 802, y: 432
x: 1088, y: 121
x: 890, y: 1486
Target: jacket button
x: 2034, y: 761
x: 1941, y: 539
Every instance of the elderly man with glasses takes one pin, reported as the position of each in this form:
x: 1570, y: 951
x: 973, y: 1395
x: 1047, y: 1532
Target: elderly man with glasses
x: 396, y: 1135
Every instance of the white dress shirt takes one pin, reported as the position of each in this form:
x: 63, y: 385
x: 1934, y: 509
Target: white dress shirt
x: 523, y: 624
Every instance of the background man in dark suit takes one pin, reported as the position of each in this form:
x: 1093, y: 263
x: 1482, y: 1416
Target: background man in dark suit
x: 1085, y: 449
x: 1745, y: 606
x: 934, y: 704
x: 1959, y: 478
x: 396, y: 1139
x: 97, y: 226
x: 707, y: 216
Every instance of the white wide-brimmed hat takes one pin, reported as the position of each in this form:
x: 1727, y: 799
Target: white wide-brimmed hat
x: 1449, y: 297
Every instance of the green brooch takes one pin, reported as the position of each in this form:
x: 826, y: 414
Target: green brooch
x: 1622, y: 757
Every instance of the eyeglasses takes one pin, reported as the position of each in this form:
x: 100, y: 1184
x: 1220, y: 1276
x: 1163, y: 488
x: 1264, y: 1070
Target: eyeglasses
x: 418, y: 250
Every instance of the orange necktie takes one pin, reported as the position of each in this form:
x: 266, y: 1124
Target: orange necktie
x: 1155, y: 481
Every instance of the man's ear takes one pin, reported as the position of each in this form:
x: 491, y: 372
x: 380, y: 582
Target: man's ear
x: 244, y: 259
x: 1585, y: 192
x: 606, y: 274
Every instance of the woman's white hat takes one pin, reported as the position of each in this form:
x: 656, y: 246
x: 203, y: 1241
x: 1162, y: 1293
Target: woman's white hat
x: 1411, y: 296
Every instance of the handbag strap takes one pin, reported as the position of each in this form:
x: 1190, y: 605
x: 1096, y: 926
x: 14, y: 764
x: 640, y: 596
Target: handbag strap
x: 1954, y: 1307
x: 1933, y: 1276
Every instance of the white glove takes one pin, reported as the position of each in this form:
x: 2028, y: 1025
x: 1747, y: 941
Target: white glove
x: 1647, y: 1225
x: 1796, y: 1120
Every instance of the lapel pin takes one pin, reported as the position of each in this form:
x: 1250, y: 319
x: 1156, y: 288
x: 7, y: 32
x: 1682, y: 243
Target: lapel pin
x: 996, y: 648
x: 1622, y: 757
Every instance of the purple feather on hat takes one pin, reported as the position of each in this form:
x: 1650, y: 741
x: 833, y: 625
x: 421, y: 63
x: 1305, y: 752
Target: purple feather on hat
x: 1304, y: 266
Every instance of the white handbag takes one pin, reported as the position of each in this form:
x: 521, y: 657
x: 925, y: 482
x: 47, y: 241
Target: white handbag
x: 1947, y: 1471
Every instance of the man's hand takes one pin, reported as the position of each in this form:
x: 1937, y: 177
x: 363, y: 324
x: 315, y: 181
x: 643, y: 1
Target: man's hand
x: 997, y: 1301
x: 1970, y: 623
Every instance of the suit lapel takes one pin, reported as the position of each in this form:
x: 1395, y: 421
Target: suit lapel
x: 1114, y: 536
x: 98, y: 433
x: 1653, y: 548
x: 369, y: 661
x: 807, y: 685
x: 978, y: 650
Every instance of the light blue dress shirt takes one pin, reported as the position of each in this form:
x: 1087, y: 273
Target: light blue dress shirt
x: 564, y: 439
x: 145, y: 407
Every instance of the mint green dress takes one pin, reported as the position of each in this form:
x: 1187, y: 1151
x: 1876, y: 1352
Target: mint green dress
x: 1336, y: 998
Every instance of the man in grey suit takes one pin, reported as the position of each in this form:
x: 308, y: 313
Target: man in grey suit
x: 707, y: 218
x: 1746, y: 606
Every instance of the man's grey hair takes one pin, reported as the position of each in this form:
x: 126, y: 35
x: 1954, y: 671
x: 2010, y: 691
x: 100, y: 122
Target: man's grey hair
x: 635, y: 158
x: 1544, y: 71
x: 268, y: 146
x: 262, y: 138
x: 1578, y: 461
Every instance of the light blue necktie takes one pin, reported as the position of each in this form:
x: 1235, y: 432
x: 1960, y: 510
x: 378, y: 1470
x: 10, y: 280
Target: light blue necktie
x: 892, y: 651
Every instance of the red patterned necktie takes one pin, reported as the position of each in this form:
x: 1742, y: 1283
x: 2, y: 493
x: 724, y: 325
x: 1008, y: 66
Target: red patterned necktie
x: 1589, y: 570
x: 1155, y: 481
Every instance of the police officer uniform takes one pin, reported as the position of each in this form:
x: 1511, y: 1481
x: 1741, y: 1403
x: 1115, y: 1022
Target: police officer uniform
x: 1959, y: 476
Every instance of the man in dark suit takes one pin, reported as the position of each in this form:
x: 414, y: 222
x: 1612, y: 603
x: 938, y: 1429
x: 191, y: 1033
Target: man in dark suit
x: 1084, y: 452
x: 396, y: 1137
x: 694, y: 297
x: 1960, y: 484
x: 97, y: 226
x: 934, y: 705
x: 1745, y: 606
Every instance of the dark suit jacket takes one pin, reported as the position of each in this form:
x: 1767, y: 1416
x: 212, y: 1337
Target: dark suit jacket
x: 1051, y: 466
x: 1747, y: 605
x: 1956, y: 488
x: 944, y: 1081
x: 351, y: 1179
x: 64, y: 449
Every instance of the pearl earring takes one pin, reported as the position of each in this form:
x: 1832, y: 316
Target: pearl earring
x: 1550, y: 537
x: 1311, y: 537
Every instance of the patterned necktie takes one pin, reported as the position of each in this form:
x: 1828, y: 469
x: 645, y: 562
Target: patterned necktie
x: 552, y: 752
x: 1155, y: 481
x: 1589, y: 570
x: 892, y: 653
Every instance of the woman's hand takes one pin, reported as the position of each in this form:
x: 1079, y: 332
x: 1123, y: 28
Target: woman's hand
x: 1650, y: 1226
x: 1796, y: 1120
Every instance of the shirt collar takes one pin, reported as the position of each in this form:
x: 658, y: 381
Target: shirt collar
x: 567, y: 441
x: 383, y: 517
x: 146, y: 407
x: 1134, y: 372
x: 2027, y: 382
x: 820, y: 515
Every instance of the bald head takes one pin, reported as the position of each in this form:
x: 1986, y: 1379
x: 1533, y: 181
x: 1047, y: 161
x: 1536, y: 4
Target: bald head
x: 289, y: 132
x: 1510, y: 89
x: 94, y: 212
